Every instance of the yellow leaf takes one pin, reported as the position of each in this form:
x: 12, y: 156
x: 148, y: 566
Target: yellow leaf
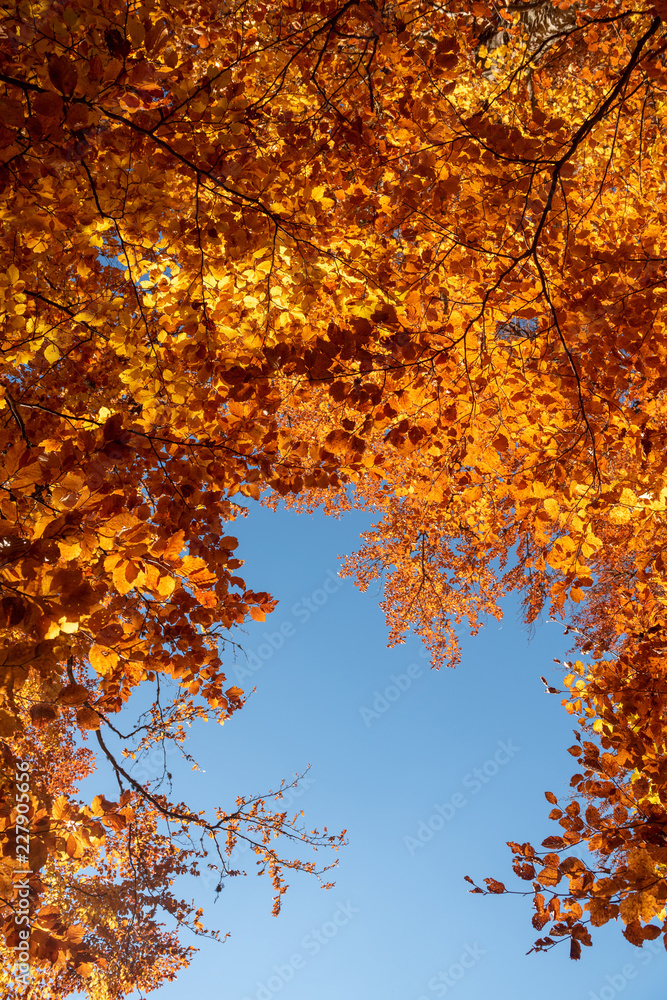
x: 60, y: 807
x: 69, y: 550
x: 165, y: 587
x: 102, y: 659
x: 125, y: 575
x: 551, y: 508
x: 628, y: 497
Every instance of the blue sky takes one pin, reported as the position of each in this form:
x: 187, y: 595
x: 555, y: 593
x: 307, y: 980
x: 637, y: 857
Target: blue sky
x: 397, y: 752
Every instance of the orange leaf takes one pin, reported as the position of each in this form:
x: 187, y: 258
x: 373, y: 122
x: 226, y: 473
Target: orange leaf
x: 103, y: 659
x: 87, y: 718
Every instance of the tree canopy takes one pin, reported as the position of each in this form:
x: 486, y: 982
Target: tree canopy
x: 406, y: 256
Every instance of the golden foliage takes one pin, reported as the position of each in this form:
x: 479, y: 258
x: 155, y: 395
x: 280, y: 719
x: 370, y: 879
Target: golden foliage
x: 391, y: 255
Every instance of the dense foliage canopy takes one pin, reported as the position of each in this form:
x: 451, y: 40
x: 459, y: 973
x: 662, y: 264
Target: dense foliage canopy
x: 405, y: 256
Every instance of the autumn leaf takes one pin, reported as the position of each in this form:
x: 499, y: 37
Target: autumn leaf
x: 42, y: 714
x: 8, y: 723
x: 87, y: 718
x: 103, y: 659
x: 73, y: 694
x: 62, y: 74
x: 429, y: 306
